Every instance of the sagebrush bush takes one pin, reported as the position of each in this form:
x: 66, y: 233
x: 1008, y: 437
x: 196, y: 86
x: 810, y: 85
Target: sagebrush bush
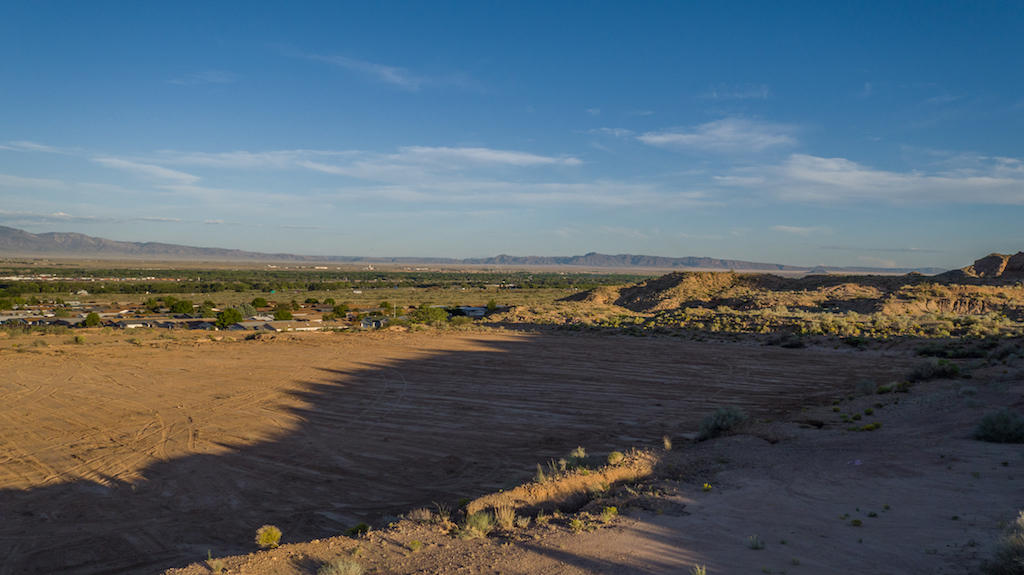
x: 615, y: 458
x: 1004, y: 426
x: 937, y: 370
x: 721, y: 421
x: 268, y: 537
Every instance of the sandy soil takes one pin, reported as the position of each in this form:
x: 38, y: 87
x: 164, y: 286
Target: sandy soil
x: 117, y: 457
x: 916, y: 496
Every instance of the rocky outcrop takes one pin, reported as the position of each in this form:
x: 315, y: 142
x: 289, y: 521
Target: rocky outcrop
x: 997, y: 266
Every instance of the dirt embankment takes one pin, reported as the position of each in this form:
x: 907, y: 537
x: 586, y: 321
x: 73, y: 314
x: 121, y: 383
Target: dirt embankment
x: 905, y: 295
x: 810, y: 493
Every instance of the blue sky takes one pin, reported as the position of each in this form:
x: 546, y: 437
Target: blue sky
x: 881, y: 134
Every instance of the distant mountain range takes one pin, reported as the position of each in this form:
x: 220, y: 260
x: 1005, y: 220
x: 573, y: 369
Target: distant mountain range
x: 15, y: 242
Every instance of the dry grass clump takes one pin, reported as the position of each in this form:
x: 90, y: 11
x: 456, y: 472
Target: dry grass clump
x: 340, y: 567
x: 1008, y: 558
x: 421, y: 515
x: 268, y: 537
x: 505, y: 516
x: 573, y: 484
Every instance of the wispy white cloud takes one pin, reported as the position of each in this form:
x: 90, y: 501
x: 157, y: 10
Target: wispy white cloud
x: 729, y: 135
x: 19, y: 182
x: 394, y: 75
x: 203, y: 78
x: 615, y: 132
x: 598, y: 193
x: 483, y: 156
x: 807, y: 178
x: 910, y: 250
x: 745, y: 92
x: 799, y: 230
x: 631, y: 233
x: 47, y: 217
x: 640, y: 113
x: 594, y: 111
x: 26, y: 146
x: 942, y: 99
x: 146, y: 170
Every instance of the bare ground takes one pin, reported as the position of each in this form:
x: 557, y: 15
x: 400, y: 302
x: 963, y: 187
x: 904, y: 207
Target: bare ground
x: 133, y: 458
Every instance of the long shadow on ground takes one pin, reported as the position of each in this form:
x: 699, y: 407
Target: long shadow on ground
x: 380, y: 439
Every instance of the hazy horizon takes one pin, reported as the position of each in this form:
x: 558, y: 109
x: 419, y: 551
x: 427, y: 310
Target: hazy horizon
x: 876, y: 135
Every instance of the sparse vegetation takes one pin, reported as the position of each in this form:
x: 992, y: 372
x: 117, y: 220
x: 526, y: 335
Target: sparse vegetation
x: 477, y: 524
x: 723, y: 420
x: 341, y: 566
x: 615, y: 458
x: 505, y: 516
x: 1004, y: 426
x: 1008, y: 557
x: 359, y: 529
x: 755, y: 542
x: 268, y: 537
x: 609, y: 513
x: 215, y: 565
x: 420, y: 515
x: 940, y: 369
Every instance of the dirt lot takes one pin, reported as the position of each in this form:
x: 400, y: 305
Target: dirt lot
x: 133, y: 457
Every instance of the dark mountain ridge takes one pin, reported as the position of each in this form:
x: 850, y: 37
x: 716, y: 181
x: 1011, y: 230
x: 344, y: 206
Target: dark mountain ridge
x: 15, y: 242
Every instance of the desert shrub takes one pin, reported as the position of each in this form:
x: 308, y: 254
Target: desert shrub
x: 1004, y: 426
x: 615, y: 458
x: 577, y: 457
x: 577, y: 525
x: 505, y: 516
x: 755, y: 542
x: 443, y: 513
x: 721, y: 421
x: 1008, y: 558
x: 357, y: 530
x: 268, y: 537
x: 340, y: 566
x: 414, y: 545
x: 477, y: 524
x: 609, y: 513
x: 940, y: 369
x: 421, y: 515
